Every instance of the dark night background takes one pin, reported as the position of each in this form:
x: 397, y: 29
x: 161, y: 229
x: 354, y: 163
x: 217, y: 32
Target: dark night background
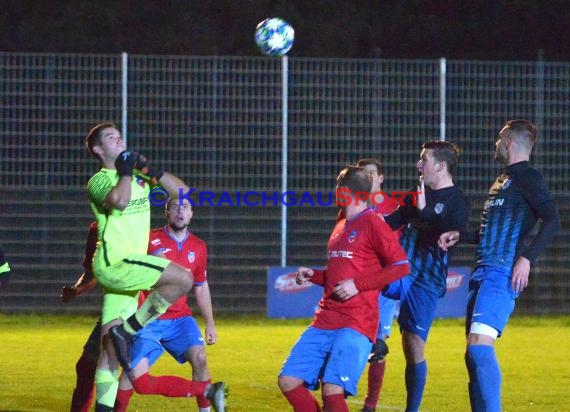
x: 463, y: 29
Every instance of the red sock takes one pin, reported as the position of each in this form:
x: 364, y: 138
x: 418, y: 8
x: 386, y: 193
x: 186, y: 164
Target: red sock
x: 335, y: 403
x: 171, y: 386
x: 122, y: 399
x: 84, y: 390
x: 201, y: 400
x: 375, y: 379
x: 302, y: 400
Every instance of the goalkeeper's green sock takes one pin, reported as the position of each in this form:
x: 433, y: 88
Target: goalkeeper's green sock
x: 106, y: 384
x: 153, y: 306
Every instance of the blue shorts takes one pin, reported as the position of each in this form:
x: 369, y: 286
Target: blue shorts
x: 336, y: 356
x: 388, y: 311
x: 417, y: 306
x: 490, y: 299
x: 173, y: 335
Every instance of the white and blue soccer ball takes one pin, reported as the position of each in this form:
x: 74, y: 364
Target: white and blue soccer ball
x: 274, y: 36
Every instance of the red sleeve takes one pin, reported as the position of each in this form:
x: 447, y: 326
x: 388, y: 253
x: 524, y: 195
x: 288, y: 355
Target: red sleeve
x: 90, y: 246
x: 318, y: 277
x: 391, y: 255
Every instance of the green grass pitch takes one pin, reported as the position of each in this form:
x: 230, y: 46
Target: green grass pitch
x: 39, y: 354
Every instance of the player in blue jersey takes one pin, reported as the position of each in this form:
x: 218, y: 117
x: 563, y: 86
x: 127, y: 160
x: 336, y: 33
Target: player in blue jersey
x: 439, y: 208
x: 508, y: 246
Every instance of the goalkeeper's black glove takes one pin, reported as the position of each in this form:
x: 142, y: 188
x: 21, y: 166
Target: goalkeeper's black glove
x: 125, y: 163
x: 154, y: 173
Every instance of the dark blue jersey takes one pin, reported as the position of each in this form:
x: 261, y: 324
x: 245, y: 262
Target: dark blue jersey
x: 515, y: 201
x: 446, y: 209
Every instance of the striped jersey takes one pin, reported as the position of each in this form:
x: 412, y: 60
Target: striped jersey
x: 514, y: 203
x: 446, y: 209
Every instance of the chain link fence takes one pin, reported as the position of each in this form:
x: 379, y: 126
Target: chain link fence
x: 218, y: 122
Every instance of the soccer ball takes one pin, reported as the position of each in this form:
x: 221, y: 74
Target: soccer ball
x: 274, y: 36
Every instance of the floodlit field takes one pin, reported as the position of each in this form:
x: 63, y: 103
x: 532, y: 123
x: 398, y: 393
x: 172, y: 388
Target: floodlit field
x: 37, y: 367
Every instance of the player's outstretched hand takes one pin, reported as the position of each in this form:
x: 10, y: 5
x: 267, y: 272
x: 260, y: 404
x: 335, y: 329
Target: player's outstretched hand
x: 303, y: 275
x: 125, y: 163
x: 68, y: 293
x: 448, y: 239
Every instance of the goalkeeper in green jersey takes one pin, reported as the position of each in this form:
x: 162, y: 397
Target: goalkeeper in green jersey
x: 119, y: 198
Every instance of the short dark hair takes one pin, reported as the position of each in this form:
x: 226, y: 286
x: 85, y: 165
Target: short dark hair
x: 94, y: 136
x: 366, y: 162
x: 354, y: 178
x: 444, y: 151
x: 521, y: 128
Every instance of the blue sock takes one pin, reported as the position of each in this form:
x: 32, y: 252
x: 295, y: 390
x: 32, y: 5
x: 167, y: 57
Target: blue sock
x: 475, y: 396
x: 415, y: 382
x: 488, y: 376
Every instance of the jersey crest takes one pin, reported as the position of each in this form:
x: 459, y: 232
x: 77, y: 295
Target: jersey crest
x: 438, y: 209
x: 140, y: 181
x: 191, y: 256
x: 352, y: 236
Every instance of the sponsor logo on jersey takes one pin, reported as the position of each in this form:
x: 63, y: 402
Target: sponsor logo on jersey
x: 494, y: 202
x: 286, y: 283
x: 341, y: 254
x: 191, y: 256
x: 137, y: 202
x: 454, y: 280
x: 155, y: 242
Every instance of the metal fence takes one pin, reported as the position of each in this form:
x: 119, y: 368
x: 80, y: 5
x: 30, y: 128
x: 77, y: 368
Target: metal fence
x: 230, y: 124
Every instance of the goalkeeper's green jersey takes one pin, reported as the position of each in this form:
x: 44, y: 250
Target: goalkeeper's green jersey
x: 120, y: 233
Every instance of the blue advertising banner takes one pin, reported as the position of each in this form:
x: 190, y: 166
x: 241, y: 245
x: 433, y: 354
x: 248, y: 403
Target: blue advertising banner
x: 286, y: 299
x: 454, y: 303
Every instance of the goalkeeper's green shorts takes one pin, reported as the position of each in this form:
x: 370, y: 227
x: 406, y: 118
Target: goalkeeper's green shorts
x: 123, y: 280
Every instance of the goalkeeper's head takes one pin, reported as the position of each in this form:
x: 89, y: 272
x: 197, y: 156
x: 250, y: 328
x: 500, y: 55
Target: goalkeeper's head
x: 94, y: 137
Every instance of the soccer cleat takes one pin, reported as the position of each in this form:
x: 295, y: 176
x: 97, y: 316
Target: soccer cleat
x: 216, y: 394
x: 368, y: 409
x: 379, y: 351
x: 122, y: 343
